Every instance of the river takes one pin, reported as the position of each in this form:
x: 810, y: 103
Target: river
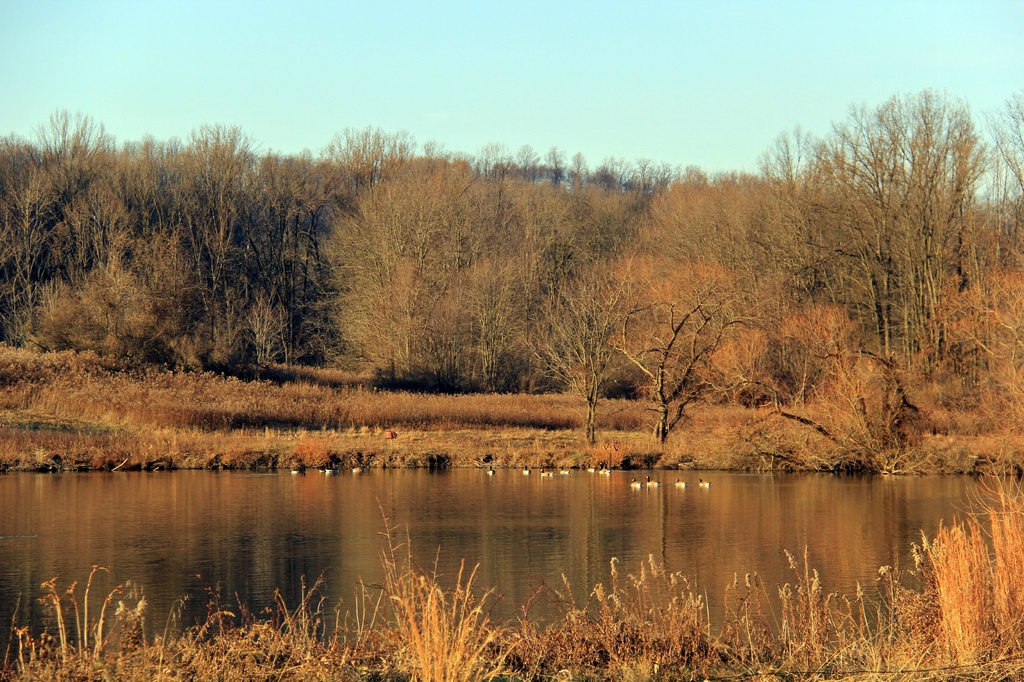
x: 243, y: 535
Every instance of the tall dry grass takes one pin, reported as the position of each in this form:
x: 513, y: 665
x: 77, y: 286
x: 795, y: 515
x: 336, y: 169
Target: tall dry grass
x: 73, y: 410
x: 409, y: 628
x: 974, y: 572
x: 960, y: 570
x: 233, y: 644
x: 1007, y: 524
x: 70, y: 386
x: 438, y: 635
x: 95, y: 416
x: 651, y: 624
x: 963, y: 622
x: 82, y: 644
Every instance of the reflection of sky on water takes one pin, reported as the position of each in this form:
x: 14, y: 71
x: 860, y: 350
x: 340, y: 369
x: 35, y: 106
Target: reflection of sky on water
x: 243, y: 535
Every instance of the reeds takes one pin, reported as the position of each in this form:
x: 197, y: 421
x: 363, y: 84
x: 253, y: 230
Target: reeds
x: 71, y: 389
x: 437, y: 635
x: 95, y: 416
x: 974, y: 572
x: 410, y: 628
x: 1007, y: 523
x: 81, y: 642
x: 651, y: 624
x: 73, y: 406
x: 290, y: 643
x: 963, y: 622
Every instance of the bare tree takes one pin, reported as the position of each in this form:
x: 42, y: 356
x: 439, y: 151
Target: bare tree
x: 283, y: 255
x: 365, y: 157
x: 673, y: 322
x: 496, y: 304
x: 28, y: 201
x: 138, y: 311
x: 1008, y: 130
x: 494, y: 161
x: 578, y: 349
x: 555, y: 160
x: 398, y: 261
x: 578, y: 172
x: 45, y: 208
x: 720, y: 221
x: 528, y: 163
x: 268, y: 328
x: 905, y: 175
x: 1007, y: 127
x: 214, y: 200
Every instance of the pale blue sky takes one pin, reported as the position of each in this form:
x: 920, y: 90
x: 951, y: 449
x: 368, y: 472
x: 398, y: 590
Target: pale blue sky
x: 705, y: 83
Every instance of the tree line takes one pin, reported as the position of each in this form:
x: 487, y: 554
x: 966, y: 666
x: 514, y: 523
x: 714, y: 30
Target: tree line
x: 883, y: 253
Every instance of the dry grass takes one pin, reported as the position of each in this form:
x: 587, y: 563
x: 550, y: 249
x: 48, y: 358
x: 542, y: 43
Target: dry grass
x: 964, y: 622
x: 437, y: 635
x: 82, y: 645
x: 963, y: 595
x: 79, y: 389
x: 411, y: 628
x: 648, y: 625
x: 74, y: 411
x: 974, y: 576
x: 1007, y: 525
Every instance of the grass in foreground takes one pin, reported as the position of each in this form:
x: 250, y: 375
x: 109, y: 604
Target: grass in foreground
x: 965, y: 622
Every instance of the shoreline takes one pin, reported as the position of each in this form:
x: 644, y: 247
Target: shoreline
x: 59, y: 451
x: 31, y: 447
x: 73, y: 412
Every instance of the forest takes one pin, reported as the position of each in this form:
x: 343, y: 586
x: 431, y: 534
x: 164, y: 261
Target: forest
x: 865, y: 285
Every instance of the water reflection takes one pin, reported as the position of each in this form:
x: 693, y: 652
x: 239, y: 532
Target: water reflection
x: 184, y: 533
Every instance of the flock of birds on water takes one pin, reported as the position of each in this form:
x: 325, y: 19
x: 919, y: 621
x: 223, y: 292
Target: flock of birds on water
x: 635, y: 484
x: 701, y: 483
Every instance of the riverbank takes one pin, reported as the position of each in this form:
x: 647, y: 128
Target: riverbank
x: 963, y: 623
x: 74, y: 412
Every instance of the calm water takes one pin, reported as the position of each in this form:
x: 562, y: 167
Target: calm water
x: 179, y: 533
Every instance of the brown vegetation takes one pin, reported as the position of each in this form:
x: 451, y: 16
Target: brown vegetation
x: 73, y: 411
x: 964, y: 622
x: 860, y: 294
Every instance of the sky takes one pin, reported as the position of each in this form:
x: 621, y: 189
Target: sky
x: 709, y: 83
